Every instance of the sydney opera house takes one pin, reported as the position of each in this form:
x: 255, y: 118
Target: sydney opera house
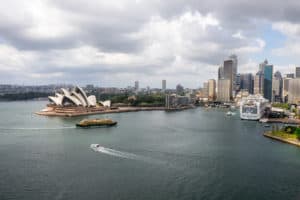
x: 73, y: 102
x: 75, y: 97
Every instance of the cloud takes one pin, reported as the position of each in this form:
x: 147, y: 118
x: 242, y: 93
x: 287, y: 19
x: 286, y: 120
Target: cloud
x: 115, y: 42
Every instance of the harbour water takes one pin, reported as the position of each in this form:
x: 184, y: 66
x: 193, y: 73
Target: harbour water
x: 192, y: 154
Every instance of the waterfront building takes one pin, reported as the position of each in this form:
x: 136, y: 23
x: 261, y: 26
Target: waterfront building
x: 74, y: 97
x: 285, y: 89
x: 211, y: 89
x: 277, y: 87
x: 224, y: 90
x: 176, y: 101
x: 294, y: 91
x: 258, y: 83
x: 253, y: 107
x: 268, y: 77
x: 246, y: 82
x: 163, y: 85
x: 297, y: 72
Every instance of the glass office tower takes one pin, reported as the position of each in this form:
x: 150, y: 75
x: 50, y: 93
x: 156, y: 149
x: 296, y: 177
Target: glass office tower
x: 268, y: 76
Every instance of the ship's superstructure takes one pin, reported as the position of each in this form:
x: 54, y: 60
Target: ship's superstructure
x: 253, y: 107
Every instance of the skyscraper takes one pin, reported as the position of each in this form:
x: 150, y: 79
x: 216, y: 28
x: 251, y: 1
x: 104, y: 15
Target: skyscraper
x: 246, y: 82
x: 268, y: 77
x: 258, y: 83
x: 163, y: 85
x: 262, y: 65
x: 211, y: 89
x: 297, y: 72
x: 294, y: 91
x: 228, y: 71
x: 285, y: 89
x: 136, y: 85
x: 277, y: 87
x: 224, y: 90
x: 205, y: 89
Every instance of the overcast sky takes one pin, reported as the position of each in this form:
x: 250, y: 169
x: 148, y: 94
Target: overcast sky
x: 115, y: 42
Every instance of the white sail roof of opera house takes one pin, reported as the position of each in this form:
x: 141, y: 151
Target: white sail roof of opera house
x: 76, y: 96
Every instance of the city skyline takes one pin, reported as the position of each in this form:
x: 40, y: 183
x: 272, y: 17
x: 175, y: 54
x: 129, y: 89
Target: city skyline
x: 106, y: 44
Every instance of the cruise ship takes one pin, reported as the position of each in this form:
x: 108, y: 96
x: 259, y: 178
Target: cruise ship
x: 253, y: 107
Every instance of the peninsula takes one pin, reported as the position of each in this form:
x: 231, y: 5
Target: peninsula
x: 287, y: 134
x: 75, y: 102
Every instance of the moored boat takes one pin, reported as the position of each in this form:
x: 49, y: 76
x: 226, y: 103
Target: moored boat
x: 96, y: 123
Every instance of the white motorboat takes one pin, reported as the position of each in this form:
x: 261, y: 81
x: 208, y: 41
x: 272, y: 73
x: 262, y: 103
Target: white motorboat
x: 96, y: 147
x: 229, y: 113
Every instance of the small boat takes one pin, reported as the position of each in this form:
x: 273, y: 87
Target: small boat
x: 229, y: 113
x: 95, y: 123
x: 96, y: 147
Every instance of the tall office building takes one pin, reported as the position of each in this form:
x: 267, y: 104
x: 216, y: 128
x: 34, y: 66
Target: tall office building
x: 268, y: 78
x: 211, y: 89
x: 224, y: 90
x: 294, y: 91
x: 262, y: 65
x: 277, y: 87
x: 163, y: 85
x: 205, y: 89
x: 136, y: 85
x: 228, y: 71
x: 238, y: 82
x: 297, y: 72
x: 246, y: 82
x: 285, y: 89
x: 258, y: 83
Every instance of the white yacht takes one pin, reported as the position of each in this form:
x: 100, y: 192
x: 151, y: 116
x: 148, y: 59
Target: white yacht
x: 253, y: 107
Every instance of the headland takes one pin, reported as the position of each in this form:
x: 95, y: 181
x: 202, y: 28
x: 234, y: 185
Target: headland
x: 73, y: 111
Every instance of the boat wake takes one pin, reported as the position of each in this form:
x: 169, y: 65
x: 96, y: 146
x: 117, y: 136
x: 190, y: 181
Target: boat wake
x: 121, y: 154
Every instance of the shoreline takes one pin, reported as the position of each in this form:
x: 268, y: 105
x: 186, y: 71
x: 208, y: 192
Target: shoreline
x: 280, y: 120
x: 67, y: 113
x: 284, y: 140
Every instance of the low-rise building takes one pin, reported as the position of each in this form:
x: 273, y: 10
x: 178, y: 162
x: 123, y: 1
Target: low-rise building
x: 176, y: 101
